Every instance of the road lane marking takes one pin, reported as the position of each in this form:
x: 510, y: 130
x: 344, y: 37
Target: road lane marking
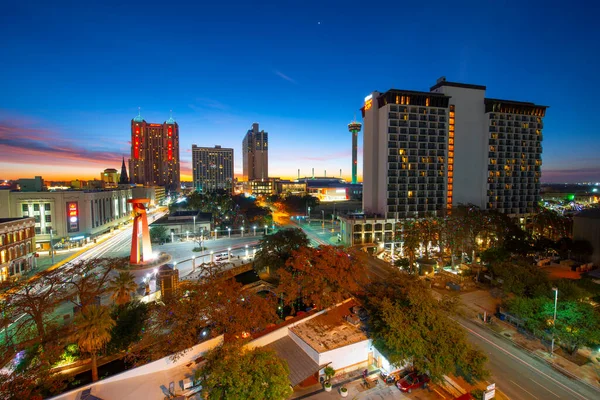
x: 523, y: 389
x: 522, y: 361
x: 537, y: 383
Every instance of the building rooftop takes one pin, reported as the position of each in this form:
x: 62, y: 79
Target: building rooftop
x: 5, y: 220
x: 591, y: 213
x: 330, y: 330
x: 444, y: 82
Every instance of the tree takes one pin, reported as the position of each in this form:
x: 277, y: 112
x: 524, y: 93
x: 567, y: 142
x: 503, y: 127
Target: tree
x: 32, y: 376
x: 323, y: 276
x: 577, y: 323
x: 411, y: 326
x: 121, y: 287
x: 411, y: 242
x: 231, y: 372
x: 130, y: 320
x: 88, y: 279
x: 92, y: 331
x: 207, y: 307
x: 520, y: 277
x: 158, y: 233
x: 276, y: 248
x: 37, y: 299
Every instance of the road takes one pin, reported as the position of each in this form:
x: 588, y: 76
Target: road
x: 521, y: 376
x: 516, y: 373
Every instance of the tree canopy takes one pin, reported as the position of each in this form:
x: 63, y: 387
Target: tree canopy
x: 232, y: 372
x: 577, y: 323
x: 409, y: 325
x: 323, y: 276
x: 275, y: 249
x: 208, y: 307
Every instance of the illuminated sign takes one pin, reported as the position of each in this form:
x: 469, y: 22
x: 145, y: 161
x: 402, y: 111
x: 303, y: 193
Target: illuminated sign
x: 72, y: 216
x: 369, y: 97
x: 155, y: 125
x: 368, y: 104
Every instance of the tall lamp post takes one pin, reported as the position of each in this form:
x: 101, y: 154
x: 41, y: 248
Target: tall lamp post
x: 323, y: 220
x: 266, y: 227
x: 229, y: 232
x: 254, y: 228
x: 554, y: 321
x: 242, y: 228
x: 194, y: 225
x: 52, y: 246
x: 216, y: 234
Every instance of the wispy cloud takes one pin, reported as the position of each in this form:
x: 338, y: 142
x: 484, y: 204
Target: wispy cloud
x: 203, y: 103
x: 571, y: 175
x: 284, y: 76
x: 29, y: 145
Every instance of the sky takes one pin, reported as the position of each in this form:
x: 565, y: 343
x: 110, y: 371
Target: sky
x: 73, y: 74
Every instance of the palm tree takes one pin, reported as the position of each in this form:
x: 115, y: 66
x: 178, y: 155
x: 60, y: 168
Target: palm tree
x: 93, y: 325
x: 121, y: 287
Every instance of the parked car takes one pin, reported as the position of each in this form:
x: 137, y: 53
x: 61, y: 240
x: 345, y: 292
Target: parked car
x: 412, y: 381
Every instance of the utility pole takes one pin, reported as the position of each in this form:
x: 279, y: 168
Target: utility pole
x: 52, y: 246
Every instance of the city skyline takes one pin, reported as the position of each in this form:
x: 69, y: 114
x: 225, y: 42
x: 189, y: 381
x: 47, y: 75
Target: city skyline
x: 69, y: 116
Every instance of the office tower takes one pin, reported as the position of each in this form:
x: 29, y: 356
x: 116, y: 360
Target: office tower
x: 354, y: 128
x: 408, y: 154
x: 212, y: 168
x: 123, y: 179
x: 498, y: 150
x: 155, y: 153
x: 255, y: 154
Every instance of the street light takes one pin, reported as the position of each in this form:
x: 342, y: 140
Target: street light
x: 246, y: 251
x: 194, y: 225
x: 229, y: 232
x: 187, y: 235
x: 229, y: 254
x: 172, y: 239
x: 308, y: 215
x: 323, y: 220
x: 554, y: 321
x: 52, y: 246
x: 254, y: 227
x: 242, y: 228
x: 216, y: 233
x: 266, y: 227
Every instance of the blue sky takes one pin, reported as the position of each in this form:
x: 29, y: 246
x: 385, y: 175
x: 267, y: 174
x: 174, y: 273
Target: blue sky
x: 74, y: 73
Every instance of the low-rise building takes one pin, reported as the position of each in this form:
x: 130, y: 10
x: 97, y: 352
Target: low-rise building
x: 365, y: 229
x: 17, y: 247
x: 586, y: 226
x: 185, y: 223
x: 72, y: 217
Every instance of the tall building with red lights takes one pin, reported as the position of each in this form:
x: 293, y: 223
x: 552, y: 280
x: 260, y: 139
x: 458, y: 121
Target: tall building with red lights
x: 155, y: 153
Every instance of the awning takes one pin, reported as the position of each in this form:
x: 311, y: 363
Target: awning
x: 301, y: 365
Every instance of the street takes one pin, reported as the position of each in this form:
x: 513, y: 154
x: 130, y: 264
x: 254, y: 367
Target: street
x: 521, y: 376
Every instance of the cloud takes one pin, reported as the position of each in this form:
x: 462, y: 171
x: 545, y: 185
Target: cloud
x: 284, y: 76
x: 21, y: 144
x: 203, y: 103
x: 571, y: 175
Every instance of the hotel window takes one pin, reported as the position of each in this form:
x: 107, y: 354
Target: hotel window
x: 48, y: 218
x: 47, y: 207
x: 25, y: 209
x: 36, y: 207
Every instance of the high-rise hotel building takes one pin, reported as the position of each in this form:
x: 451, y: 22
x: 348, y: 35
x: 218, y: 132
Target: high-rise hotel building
x: 212, y: 168
x: 498, y: 156
x: 155, y: 154
x: 255, y: 154
x: 426, y: 152
x: 408, y: 154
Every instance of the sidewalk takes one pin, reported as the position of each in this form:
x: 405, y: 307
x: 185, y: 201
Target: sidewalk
x: 475, y: 303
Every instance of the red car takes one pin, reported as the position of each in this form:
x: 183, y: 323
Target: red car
x: 412, y: 381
